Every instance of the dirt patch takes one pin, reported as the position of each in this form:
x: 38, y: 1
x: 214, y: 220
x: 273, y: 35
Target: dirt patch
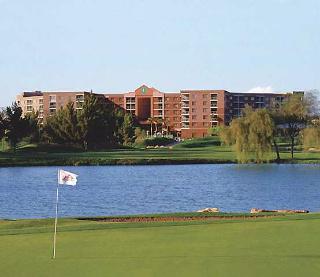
x: 176, y: 218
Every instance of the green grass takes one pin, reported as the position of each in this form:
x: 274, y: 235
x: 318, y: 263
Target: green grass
x: 206, y: 150
x: 284, y: 246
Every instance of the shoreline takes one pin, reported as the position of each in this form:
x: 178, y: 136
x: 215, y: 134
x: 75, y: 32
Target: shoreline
x: 127, y: 162
x: 169, y: 217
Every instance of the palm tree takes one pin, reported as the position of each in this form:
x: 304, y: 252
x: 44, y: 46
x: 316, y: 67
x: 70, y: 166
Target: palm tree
x: 150, y: 120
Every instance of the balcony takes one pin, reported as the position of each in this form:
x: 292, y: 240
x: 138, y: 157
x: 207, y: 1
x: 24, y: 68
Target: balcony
x: 157, y: 100
x: 214, y: 110
x: 130, y: 106
x: 185, y: 97
x: 214, y: 98
x: 79, y: 105
x: 185, y: 119
x: 185, y: 125
x: 130, y: 100
x: 185, y: 112
x: 214, y: 118
x: 80, y: 98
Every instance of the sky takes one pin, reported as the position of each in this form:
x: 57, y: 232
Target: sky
x: 116, y: 46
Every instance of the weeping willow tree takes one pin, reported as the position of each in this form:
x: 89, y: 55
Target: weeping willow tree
x: 224, y: 133
x: 251, y: 135
x: 311, y: 138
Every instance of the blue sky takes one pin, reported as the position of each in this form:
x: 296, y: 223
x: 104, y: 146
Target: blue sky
x: 115, y: 46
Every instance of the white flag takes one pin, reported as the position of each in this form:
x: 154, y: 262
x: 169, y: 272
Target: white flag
x: 67, y: 178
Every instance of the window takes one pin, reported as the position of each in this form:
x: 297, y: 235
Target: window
x: 175, y: 119
x: 53, y: 105
x: 193, y: 110
x: 204, y: 96
x: 193, y: 103
x: 205, y: 110
x: 40, y: 101
x: 205, y: 117
x: 246, y: 98
x: 214, y: 97
x: 194, y: 124
x: 205, y: 103
x: 205, y: 124
x: 252, y: 98
x: 194, y: 117
x: 80, y: 98
x: 52, y: 98
x: 29, y: 102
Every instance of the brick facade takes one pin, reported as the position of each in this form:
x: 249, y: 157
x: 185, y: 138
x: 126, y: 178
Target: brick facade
x: 188, y: 113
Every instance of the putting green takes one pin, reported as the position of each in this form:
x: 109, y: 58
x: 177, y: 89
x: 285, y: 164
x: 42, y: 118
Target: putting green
x: 287, y: 246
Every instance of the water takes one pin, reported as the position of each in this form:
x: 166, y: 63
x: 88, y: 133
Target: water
x: 29, y: 192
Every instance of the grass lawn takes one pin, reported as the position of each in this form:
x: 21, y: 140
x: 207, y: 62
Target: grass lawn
x: 285, y: 246
x: 206, y: 150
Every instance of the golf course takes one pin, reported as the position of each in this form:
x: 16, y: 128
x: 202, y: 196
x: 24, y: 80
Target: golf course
x: 164, y: 245
x: 196, y: 151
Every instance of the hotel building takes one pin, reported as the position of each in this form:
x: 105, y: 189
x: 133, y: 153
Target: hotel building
x: 188, y: 113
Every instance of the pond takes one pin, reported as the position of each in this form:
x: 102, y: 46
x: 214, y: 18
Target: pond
x: 29, y: 192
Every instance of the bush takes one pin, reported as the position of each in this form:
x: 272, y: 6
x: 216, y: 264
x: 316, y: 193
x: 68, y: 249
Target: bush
x: 160, y: 141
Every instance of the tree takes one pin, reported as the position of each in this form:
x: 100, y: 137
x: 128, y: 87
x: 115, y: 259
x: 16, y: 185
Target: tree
x: 2, y: 128
x: 260, y: 133
x: 15, y: 125
x: 250, y: 134
x: 124, y: 123
x: 151, y: 121
x: 224, y: 133
x: 128, y: 129
x: 96, y: 121
x: 157, y: 122
x: 63, y: 127
x: 2, y: 125
x: 294, y: 114
x: 33, y: 128
x: 311, y: 137
x: 277, y: 120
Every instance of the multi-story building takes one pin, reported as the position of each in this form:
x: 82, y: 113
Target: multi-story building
x: 188, y: 113
x: 47, y: 103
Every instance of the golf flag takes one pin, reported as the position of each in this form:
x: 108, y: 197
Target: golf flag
x: 64, y: 178
x: 67, y: 178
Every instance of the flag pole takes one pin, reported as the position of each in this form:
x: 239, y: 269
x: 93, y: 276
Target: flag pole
x: 56, y: 220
